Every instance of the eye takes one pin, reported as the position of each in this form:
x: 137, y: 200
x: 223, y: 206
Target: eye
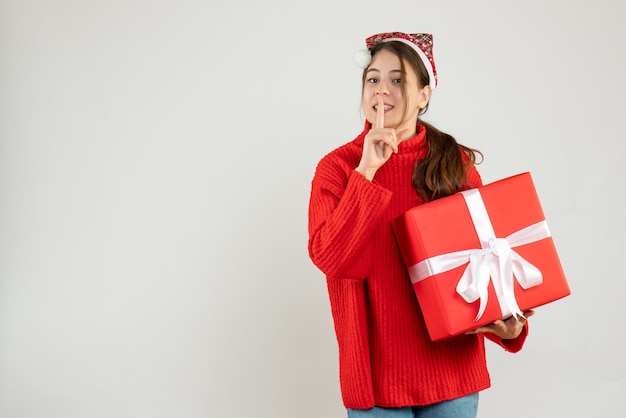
x: 372, y: 80
x: 397, y: 81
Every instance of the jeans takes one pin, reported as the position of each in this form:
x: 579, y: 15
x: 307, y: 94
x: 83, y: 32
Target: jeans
x: 464, y: 407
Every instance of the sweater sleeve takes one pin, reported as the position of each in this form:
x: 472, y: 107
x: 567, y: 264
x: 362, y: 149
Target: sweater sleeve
x: 344, y: 210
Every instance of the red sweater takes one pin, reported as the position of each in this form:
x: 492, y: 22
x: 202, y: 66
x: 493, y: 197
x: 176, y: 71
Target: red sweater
x: 386, y: 357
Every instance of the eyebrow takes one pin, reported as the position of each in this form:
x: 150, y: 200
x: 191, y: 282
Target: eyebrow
x: 378, y: 71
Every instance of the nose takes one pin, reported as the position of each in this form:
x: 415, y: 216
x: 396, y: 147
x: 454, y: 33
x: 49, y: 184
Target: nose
x: 382, y: 90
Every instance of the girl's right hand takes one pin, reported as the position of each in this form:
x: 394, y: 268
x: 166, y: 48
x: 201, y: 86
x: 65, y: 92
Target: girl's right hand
x: 379, y: 144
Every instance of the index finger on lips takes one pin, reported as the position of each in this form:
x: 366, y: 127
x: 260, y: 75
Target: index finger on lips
x: 380, y: 113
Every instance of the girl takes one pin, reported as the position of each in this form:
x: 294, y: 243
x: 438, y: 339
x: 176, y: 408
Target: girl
x: 388, y: 365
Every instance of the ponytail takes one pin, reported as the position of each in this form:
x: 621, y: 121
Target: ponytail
x: 443, y: 171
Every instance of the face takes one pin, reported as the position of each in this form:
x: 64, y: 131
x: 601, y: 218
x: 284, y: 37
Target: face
x: 384, y: 77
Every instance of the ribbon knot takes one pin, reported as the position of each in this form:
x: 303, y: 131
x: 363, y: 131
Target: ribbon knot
x: 499, y: 246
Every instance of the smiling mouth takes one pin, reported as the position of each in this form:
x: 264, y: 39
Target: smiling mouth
x: 387, y: 107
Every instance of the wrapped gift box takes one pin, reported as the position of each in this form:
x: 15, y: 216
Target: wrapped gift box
x: 480, y: 255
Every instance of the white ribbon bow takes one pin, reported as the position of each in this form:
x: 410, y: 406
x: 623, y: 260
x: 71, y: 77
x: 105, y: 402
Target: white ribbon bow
x: 495, y: 260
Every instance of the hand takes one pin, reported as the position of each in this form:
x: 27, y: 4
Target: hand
x: 506, y: 329
x: 379, y: 144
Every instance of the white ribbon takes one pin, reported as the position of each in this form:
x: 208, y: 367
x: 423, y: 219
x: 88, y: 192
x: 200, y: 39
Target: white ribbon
x: 495, y: 260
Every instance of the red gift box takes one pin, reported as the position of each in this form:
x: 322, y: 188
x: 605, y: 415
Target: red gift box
x: 480, y: 255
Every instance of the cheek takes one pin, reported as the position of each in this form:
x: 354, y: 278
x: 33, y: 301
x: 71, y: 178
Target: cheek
x: 397, y: 93
x: 369, y: 90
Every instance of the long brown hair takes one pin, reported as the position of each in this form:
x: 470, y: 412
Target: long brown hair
x: 442, y: 171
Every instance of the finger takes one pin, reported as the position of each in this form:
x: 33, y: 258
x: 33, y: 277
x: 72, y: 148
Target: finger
x: 388, y: 140
x: 388, y: 151
x: 481, y: 330
x: 380, y: 113
x: 513, y: 319
x: 497, y: 326
x: 501, y: 328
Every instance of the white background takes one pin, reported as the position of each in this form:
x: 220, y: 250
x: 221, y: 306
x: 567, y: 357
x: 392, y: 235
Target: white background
x: 155, y: 164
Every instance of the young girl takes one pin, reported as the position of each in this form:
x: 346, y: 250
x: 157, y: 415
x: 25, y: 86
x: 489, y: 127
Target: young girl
x: 388, y: 365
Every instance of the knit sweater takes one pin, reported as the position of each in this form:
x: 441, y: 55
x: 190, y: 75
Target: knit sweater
x: 386, y: 357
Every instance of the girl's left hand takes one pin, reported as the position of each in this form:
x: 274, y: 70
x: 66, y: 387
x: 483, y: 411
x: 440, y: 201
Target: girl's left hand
x: 506, y: 329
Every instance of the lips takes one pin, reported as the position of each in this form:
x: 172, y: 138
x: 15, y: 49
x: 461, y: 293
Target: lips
x: 387, y: 107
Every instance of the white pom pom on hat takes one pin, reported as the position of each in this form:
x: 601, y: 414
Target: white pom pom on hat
x: 422, y: 43
x: 362, y: 58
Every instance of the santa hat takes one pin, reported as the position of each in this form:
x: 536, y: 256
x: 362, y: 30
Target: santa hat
x: 422, y: 43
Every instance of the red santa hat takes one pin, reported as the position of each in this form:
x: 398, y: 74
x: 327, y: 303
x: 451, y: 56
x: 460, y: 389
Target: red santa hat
x: 422, y: 43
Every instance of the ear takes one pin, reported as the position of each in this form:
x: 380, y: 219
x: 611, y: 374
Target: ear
x: 424, y: 97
